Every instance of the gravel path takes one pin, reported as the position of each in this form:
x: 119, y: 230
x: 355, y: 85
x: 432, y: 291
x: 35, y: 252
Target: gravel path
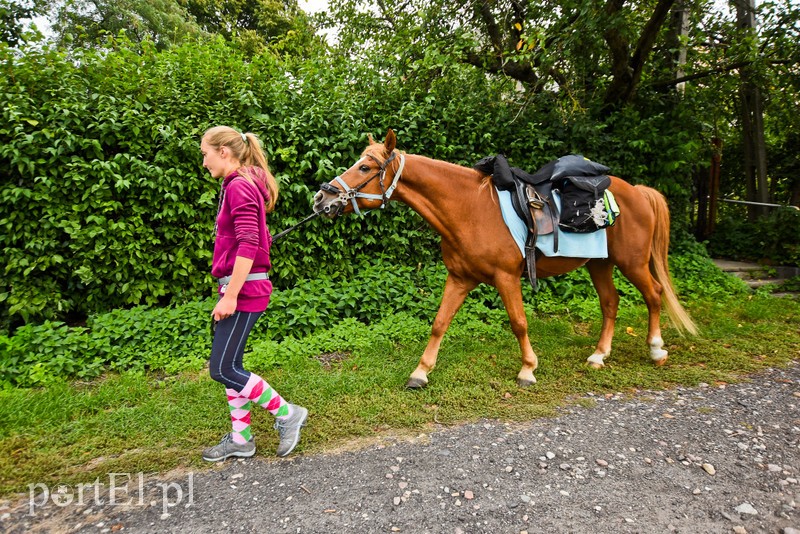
x: 710, y: 459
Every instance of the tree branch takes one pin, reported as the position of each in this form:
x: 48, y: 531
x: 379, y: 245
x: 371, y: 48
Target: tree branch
x: 523, y: 73
x: 711, y: 72
x: 627, y: 72
x: 649, y: 35
x: 492, y: 29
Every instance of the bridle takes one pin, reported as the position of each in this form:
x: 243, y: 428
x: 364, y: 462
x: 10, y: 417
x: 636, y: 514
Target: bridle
x: 352, y: 193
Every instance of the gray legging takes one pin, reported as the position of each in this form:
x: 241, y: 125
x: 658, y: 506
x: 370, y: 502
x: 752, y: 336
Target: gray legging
x: 227, y: 350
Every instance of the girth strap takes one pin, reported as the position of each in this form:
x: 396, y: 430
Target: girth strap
x: 530, y: 259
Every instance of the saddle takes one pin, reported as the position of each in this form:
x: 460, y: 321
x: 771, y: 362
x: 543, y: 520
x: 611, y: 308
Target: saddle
x: 532, y: 196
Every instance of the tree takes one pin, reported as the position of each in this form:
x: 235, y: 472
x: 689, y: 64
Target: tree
x: 255, y: 23
x: 747, y: 68
x: 754, y: 144
x: 568, y: 45
x: 628, y: 61
x: 82, y: 23
x: 677, y: 40
x: 13, y: 14
x: 267, y: 18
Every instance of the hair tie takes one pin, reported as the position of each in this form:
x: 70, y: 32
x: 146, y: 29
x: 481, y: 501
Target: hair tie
x: 244, y: 137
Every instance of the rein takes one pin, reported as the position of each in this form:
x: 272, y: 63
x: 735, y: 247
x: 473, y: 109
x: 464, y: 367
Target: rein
x: 283, y: 233
x: 352, y: 193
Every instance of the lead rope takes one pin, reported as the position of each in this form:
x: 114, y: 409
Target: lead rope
x: 283, y: 233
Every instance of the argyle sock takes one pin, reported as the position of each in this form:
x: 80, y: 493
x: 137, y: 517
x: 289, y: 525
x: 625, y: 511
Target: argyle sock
x: 258, y: 391
x: 240, y: 416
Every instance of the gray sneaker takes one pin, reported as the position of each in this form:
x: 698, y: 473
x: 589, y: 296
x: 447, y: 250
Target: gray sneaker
x: 227, y: 448
x: 289, y: 429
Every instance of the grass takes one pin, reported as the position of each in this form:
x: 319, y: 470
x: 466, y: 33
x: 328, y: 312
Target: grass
x: 129, y: 423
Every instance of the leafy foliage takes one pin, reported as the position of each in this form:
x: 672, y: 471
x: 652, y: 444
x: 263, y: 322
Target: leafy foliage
x: 254, y: 23
x: 105, y: 204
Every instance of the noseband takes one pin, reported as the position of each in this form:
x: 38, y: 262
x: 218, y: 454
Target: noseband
x: 352, y: 193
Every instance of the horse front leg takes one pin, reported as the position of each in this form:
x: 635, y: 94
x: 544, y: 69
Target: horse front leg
x: 455, y: 291
x: 602, y: 272
x: 511, y: 292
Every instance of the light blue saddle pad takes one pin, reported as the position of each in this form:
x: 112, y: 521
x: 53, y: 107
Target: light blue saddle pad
x: 570, y: 244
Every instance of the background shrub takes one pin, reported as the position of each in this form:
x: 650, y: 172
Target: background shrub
x: 771, y: 239
x: 316, y: 316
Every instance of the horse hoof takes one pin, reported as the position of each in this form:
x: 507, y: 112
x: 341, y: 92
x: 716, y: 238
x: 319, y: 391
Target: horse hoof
x: 661, y: 362
x: 524, y: 383
x: 595, y: 365
x: 415, y: 383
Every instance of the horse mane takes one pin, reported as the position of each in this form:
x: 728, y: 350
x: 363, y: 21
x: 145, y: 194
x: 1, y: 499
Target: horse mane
x: 486, y: 181
x: 378, y: 150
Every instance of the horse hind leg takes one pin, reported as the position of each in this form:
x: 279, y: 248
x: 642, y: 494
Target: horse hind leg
x: 455, y: 292
x: 601, y: 272
x: 651, y: 291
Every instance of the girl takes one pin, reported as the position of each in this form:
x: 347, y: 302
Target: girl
x: 240, y: 264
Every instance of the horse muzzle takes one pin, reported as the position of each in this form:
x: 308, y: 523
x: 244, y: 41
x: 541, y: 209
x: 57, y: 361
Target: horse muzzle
x: 328, y: 205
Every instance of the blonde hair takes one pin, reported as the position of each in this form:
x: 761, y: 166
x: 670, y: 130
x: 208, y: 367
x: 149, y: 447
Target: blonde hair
x: 246, y: 148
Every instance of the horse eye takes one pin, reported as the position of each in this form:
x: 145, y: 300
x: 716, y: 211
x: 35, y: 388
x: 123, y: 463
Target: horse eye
x: 364, y: 168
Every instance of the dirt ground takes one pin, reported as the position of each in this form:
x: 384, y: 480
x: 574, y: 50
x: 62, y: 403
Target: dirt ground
x: 710, y: 459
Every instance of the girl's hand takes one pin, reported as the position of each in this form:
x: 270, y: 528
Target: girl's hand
x: 224, y: 308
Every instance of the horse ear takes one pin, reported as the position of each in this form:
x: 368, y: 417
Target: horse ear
x: 391, y: 141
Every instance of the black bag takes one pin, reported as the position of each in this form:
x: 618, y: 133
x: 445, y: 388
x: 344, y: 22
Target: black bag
x: 582, y: 203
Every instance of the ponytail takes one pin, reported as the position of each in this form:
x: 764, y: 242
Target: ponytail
x: 245, y: 147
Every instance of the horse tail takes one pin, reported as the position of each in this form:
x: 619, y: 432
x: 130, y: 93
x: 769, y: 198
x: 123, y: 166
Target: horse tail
x: 659, y: 265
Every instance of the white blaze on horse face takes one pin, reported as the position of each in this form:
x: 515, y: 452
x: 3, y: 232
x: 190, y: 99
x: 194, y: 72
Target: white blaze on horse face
x: 358, y: 163
x: 354, y: 169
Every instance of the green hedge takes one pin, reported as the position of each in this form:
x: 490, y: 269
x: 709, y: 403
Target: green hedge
x: 104, y: 203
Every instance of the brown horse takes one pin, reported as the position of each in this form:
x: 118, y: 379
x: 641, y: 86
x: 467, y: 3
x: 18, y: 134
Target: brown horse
x: 477, y: 247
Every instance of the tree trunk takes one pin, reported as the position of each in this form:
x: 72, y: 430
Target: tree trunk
x: 707, y: 192
x: 753, y: 142
x: 794, y: 195
x: 676, y: 41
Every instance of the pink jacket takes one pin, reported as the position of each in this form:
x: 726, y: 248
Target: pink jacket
x: 242, y: 230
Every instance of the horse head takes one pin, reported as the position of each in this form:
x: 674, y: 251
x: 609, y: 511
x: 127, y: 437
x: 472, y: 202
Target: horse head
x: 368, y: 184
